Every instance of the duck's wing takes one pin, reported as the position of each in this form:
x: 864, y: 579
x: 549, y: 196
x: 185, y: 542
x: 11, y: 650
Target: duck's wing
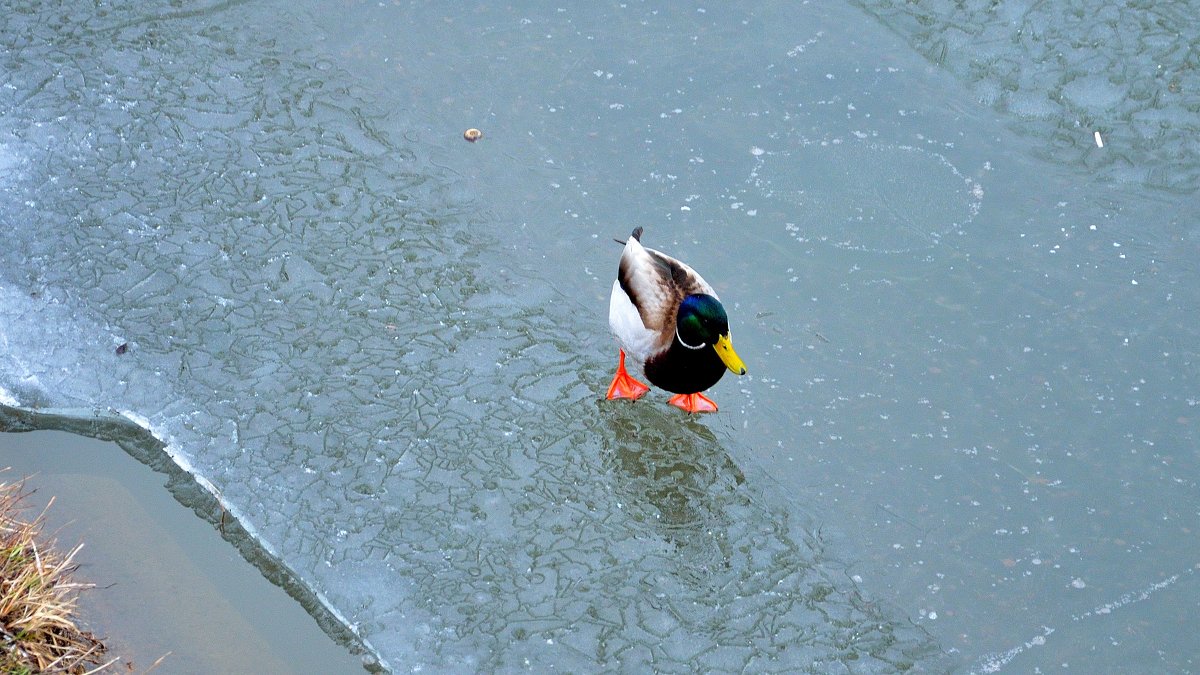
x: 646, y: 295
x: 656, y: 283
x: 684, y: 280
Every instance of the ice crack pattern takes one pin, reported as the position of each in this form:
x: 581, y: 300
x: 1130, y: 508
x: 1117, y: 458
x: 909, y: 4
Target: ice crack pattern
x: 1129, y: 70
x: 316, y: 317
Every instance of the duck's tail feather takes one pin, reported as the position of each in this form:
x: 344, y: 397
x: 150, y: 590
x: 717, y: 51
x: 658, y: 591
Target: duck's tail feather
x: 637, y: 234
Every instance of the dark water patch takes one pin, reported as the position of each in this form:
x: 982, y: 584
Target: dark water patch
x: 197, y: 496
x: 169, y: 593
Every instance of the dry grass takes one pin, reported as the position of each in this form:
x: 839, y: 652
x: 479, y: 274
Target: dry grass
x: 37, y: 598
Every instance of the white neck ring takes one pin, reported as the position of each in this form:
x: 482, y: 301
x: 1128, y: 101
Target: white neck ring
x: 702, y: 345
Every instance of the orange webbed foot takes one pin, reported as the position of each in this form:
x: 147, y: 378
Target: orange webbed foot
x: 693, y: 403
x: 624, y: 386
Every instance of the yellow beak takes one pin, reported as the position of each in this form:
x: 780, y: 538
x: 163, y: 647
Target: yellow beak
x: 729, y: 357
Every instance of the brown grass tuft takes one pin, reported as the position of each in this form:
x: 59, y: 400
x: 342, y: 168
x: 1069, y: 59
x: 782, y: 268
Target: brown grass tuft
x: 37, y: 598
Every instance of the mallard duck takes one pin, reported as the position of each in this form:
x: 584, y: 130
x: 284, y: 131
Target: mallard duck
x: 670, y: 323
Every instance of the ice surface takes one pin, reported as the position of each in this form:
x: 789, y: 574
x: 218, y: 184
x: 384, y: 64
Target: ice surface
x: 864, y: 201
x: 257, y: 230
x: 325, y: 333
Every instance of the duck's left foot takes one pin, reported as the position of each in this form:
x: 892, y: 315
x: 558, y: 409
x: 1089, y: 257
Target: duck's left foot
x: 693, y: 403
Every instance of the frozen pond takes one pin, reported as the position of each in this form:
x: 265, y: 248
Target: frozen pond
x: 958, y: 246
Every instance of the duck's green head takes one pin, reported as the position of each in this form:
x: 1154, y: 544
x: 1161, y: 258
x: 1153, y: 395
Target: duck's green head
x: 703, y: 324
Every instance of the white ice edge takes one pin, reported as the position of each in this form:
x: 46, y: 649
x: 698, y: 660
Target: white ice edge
x: 6, y: 398
x: 173, y: 451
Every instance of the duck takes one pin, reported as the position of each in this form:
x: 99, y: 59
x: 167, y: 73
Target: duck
x: 671, y: 325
